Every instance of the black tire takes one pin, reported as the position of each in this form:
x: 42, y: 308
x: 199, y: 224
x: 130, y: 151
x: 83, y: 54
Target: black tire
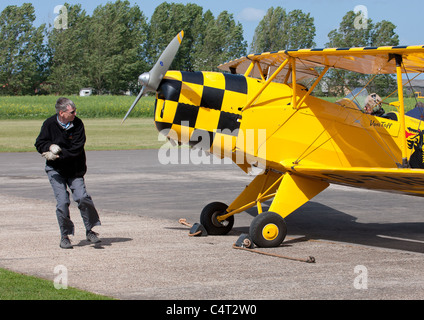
x: 208, y: 218
x: 268, y: 230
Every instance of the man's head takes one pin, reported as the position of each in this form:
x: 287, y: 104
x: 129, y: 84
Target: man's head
x: 66, y: 110
x: 373, y: 104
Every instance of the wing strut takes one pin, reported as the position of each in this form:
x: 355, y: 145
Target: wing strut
x: 399, y: 60
x: 294, y: 80
x: 318, y: 80
x: 265, y: 85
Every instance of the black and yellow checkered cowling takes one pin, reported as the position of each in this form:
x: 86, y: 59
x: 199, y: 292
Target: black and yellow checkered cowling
x: 200, y: 106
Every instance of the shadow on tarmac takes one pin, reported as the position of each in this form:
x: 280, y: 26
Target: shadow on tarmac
x: 105, y: 242
x: 316, y: 221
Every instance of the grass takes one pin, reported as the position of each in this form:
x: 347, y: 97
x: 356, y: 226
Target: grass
x: 104, y: 131
x: 40, y: 107
x: 16, y: 286
x: 109, y: 134
x: 21, y: 119
x: 102, y: 134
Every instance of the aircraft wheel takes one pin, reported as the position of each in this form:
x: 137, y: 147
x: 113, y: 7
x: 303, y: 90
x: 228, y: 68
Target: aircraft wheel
x: 268, y: 230
x: 208, y: 218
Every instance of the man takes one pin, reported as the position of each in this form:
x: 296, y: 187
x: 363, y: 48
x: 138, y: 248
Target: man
x: 373, y: 105
x: 61, y: 141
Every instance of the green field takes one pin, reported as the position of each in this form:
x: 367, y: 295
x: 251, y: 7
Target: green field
x: 40, y: 107
x: 102, y: 134
x: 21, y: 119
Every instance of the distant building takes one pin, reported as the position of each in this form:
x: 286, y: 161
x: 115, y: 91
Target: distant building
x: 86, y: 92
x: 417, y: 88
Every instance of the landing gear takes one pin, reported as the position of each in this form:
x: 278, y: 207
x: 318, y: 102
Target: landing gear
x: 209, y: 219
x: 268, y: 230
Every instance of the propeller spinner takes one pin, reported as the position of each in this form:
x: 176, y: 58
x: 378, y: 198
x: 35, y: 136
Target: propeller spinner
x: 150, y: 80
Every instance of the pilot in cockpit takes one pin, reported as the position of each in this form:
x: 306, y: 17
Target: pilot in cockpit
x: 373, y: 105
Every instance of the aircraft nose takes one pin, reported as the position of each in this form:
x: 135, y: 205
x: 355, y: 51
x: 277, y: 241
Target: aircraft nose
x: 166, y: 104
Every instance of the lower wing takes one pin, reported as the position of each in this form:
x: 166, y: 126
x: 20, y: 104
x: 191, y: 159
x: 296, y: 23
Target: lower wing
x: 404, y: 181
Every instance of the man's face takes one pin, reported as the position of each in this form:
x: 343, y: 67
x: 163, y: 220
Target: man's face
x: 68, y: 115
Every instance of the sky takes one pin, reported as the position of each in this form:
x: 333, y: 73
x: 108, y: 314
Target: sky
x: 407, y: 15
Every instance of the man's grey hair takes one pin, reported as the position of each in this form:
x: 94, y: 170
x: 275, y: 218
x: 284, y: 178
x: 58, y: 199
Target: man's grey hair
x: 63, y: 103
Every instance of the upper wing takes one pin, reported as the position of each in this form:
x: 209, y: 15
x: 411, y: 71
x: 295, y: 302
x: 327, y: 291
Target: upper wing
x: 268, y: 62
x: 367, y: 60
x: 374, y: 60
x: 404, y: 181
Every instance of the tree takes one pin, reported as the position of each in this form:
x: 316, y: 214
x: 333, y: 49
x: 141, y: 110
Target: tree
x: 22, y: 54
x: 109, y: 49
x: 117, y: 33
x: 383, y: 34
x: 166, y: 22
x: 207, y: 43
x: 223, y: 41
x: 301, y: 30
x: 201, y: 57
x: 350, y: 35
x: 68, y: 53
x: 280, y: 30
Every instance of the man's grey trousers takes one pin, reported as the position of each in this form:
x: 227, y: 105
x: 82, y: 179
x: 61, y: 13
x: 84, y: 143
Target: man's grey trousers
x: 86, y: 206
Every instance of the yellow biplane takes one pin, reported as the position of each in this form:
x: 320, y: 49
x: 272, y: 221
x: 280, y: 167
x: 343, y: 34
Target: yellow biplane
x: 259, y: 115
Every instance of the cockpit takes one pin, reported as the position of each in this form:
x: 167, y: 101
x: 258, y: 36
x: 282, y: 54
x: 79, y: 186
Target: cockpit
x: 367, y: 103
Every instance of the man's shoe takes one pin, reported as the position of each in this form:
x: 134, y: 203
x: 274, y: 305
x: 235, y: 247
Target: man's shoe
x: 65, y: 243
x: 92, y: 237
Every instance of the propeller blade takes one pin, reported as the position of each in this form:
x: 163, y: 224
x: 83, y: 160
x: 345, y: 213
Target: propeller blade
x: 134, y: 104
x: 151, y: 80
x: 164, y: 62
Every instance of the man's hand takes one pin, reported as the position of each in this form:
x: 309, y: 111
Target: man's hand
x: 50, y: 156
x: 55, y: 149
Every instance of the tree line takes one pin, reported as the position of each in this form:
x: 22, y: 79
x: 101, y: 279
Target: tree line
x: 110, y: 48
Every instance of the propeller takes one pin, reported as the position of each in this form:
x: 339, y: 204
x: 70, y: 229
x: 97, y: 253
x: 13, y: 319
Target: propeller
x: 150, y: 80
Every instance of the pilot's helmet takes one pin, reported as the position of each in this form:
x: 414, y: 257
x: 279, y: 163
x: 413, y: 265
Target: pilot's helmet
x: 373, y: 104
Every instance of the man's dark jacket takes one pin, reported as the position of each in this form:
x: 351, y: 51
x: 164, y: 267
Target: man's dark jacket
x: 72, y: 161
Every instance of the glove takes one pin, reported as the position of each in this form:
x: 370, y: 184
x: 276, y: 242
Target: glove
x: 55, y: 149
x: 50, y: 156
